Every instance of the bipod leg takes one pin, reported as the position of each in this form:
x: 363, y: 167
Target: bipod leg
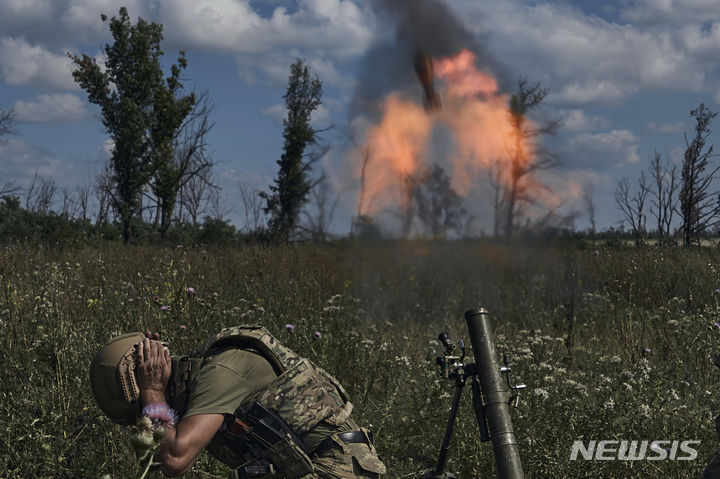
x: 442, y: 458
x: 479, y: 405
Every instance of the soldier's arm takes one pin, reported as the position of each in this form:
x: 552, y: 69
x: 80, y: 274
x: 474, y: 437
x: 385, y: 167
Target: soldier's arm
x: 183, y: 442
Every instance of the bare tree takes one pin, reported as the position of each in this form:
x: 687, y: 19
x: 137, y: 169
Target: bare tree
x: 632, y: 206
x: 361, y: 218
x: 524, y: 158
x: 439, y: 207
x: 323, y: 206
x: 495, y: 180
x: 83, y: 194
x: 190, y: 161
x: 193, y: 198
x: 8, y: 188
x: 216, y: 207
x: 589, y: 202
x: 40, y: 194
x: 7, y: 119
x: 104, y: 192
x: 699, y: 206
x: 252, y: 208
x: 69, y: 206
x: 664, y: 194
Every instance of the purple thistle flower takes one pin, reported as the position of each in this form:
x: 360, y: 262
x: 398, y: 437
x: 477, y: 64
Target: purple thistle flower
x: 290, y: 327
x: 648, y: 350
x: 183, y: 327
x: 164, y: 308
x: 716, y: 324
x: 190, y: 290
x: 318, y: 335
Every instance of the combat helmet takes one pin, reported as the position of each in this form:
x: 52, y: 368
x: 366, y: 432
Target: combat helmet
x: 112, y: 379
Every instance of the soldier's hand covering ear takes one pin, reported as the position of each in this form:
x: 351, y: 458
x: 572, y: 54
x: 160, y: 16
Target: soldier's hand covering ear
x: 153, y: 367
x: 150, y: 335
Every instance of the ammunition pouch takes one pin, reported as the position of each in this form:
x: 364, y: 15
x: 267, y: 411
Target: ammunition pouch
x: 272, y: 446
x: 291, y: 460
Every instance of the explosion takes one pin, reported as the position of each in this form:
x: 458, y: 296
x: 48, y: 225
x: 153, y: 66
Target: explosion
x: 485, y: 134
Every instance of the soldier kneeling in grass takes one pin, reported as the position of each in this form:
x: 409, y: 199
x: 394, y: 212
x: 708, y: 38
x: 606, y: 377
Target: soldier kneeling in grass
x: 252, y: 402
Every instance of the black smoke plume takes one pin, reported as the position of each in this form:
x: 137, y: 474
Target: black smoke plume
x: 404, y: 27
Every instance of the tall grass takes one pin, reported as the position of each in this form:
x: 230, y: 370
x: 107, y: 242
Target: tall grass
x: 613, y: 344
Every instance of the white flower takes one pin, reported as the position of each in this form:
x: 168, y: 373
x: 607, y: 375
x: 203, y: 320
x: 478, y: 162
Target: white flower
x: 541, y: 392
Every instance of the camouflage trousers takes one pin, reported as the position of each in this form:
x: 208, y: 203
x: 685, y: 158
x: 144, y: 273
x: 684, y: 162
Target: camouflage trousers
x: 348, y: 461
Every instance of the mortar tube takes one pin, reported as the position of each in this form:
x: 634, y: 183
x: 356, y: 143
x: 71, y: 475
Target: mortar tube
x: 496, y: 394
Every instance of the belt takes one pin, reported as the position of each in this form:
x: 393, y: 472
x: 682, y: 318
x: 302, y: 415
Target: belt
x: 349, y: 437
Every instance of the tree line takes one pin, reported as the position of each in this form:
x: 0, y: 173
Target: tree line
x: 681, y: 203
x: 160, y: 177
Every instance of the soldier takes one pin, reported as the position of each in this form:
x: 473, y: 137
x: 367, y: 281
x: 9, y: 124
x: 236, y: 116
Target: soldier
x: 252, y: 402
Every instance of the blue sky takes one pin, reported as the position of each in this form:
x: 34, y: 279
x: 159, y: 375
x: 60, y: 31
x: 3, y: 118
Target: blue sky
x: 624, y: 74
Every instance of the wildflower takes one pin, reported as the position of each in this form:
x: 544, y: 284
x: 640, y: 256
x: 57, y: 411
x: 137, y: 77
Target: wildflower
x: 290, y: 327
x: 596, y: 252
x: 164, y: 308
x: 318, y: 335
x: 215, y: 294
x: 183, y: 327
x: 541, y: 392
x: 648, y: 350
x: 190, y: 290
x: 716, y: 324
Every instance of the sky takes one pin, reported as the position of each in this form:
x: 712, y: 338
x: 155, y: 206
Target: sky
x: 623, y: 75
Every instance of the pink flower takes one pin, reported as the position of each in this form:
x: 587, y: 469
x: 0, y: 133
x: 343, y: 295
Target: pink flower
x: 164, y: 308
x: 190, y: 290
x: 183, y: 327
x: 318, y: 335
x: 290, y: 327
x: 215, y: 295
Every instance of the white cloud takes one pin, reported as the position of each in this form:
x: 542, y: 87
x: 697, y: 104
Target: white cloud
x: 24, y: 64
x: 599, y: 150
x: 667, y: 127
x: 669, y: 11
x: 59, y: 107
x: 578, y: 120
x: 20, y: 161
x: 37, y: 33
x: 275, y: 113
x: 339, y: 27
x: 584, y: 59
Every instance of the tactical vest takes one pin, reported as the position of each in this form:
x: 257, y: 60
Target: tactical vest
x: 303, y: 394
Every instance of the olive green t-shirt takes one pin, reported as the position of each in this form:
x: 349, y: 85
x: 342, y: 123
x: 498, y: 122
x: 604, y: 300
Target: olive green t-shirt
x: 228, y: 378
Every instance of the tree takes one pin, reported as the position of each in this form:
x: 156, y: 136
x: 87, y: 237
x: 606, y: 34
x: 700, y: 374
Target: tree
x: 7, y: 119
x: 439, y: 207
x: 289, y: 192
x: 40, y: 194
x: 632, y: 206
x: 139, y: 108
x: 589, y: 202
x: 185, y: 158
x: 664, y: 193
x: 698, y: 205
x: 525, y: 159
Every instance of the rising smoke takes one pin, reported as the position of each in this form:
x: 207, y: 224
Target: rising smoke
x: 405, y: 26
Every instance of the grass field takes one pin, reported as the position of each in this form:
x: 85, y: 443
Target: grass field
x: 613, y: 344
